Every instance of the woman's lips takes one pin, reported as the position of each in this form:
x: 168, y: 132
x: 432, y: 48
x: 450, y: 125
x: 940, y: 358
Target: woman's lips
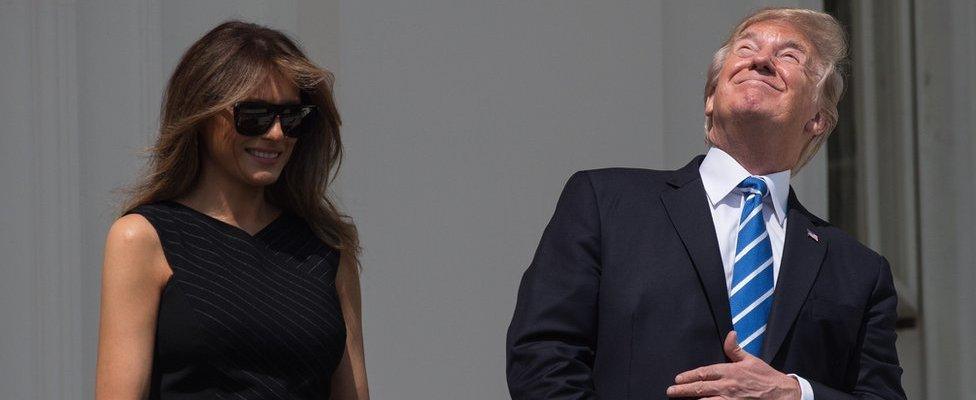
x: 264, y: 156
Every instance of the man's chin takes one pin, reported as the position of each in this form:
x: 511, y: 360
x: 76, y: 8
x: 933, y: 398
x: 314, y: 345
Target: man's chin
x: 752, y: 112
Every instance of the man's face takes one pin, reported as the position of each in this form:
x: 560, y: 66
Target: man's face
x: 768, y: 75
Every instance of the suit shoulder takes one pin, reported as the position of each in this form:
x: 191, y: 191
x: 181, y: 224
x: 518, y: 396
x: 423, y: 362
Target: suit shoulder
x: 843, y: 242
x: 622, y: 178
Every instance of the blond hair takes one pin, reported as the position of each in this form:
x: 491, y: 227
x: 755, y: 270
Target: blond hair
x: 830, y: 43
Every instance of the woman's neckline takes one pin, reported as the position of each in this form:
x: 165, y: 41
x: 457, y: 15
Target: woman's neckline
x: 281, y: 215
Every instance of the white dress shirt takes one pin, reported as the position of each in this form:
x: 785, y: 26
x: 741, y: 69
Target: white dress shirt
x: 720, y: 175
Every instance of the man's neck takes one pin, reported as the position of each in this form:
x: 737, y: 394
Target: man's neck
x: 758, y: 149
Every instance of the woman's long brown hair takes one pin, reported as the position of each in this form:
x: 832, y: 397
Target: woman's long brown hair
x: 222, y: 68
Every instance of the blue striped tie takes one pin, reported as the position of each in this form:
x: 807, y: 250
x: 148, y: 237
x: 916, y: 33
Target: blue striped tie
x: 751, y: 295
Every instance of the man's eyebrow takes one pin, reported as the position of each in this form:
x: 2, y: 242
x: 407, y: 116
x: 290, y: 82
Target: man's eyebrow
x: 789, y: 43
x: 796, y: 45
x: 747, y: 35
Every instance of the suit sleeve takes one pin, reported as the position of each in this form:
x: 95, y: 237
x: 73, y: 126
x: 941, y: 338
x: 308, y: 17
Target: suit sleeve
x: 879, y: 376
x: 552, y: 338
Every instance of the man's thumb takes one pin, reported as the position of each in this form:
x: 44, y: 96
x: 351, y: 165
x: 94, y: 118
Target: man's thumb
x: 732, y: 349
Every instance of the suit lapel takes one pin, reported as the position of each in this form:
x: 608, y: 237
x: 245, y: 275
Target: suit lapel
x: 688, y: 210
x: 801, y: 261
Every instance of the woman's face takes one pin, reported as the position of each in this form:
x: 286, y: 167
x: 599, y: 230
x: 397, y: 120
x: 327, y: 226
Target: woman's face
x: 256, y: 160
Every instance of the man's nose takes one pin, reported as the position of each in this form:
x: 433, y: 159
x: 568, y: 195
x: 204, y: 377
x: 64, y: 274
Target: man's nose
x: 762, y: 62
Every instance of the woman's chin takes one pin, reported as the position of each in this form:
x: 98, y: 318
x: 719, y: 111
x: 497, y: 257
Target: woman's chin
x: 262, y: 178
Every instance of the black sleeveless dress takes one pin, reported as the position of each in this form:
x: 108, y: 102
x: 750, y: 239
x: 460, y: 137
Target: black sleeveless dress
x: 244, y: 317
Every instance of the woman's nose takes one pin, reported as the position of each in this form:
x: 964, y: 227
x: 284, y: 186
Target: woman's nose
x: 275, y: 132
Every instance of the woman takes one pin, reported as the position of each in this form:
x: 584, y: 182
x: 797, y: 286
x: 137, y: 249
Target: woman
x: 231, y: 274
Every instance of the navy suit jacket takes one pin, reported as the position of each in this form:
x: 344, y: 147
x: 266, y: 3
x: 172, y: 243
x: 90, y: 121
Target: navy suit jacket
x: 627, y: 290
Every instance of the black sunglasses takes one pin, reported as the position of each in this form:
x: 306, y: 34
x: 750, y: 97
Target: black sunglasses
x: 255, y: 118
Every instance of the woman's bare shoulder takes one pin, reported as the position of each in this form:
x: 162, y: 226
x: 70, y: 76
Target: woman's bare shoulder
x: 133, y: 247
x: 135, y: 232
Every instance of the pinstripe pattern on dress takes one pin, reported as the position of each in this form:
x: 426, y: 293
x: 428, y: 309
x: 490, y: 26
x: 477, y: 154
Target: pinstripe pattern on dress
x: 244, y: 316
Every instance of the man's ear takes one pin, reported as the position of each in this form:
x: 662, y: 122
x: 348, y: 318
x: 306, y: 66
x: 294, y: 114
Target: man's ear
x: 816, y: 125
x: 708, y: 104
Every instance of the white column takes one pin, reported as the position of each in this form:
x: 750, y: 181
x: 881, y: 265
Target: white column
x: 946, y: 53
x: 41, y: 235
x: 120, y: 80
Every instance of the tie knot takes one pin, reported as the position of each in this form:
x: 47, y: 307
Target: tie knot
x: 754, y: 185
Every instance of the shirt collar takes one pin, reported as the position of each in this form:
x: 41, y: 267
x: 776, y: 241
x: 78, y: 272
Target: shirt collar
x: 720, y: 175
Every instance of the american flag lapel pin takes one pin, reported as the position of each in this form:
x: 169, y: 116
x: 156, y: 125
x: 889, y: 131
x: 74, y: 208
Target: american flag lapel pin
x: 813, y: 235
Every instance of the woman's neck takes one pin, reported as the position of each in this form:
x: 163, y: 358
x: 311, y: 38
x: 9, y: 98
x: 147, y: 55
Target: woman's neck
x: 228, y: 199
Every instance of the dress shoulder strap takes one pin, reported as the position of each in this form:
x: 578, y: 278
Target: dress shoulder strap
x: 161, y: 216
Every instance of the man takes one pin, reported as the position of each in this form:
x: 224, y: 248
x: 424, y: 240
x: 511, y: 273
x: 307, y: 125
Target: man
x: 713, y: 281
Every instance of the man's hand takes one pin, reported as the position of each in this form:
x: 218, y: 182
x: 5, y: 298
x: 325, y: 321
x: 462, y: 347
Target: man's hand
x: 746, y: 377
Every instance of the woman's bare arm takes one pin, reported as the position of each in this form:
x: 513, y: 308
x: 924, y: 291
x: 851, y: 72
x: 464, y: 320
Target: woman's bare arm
x: 133, y: 274
x: 349, y: 379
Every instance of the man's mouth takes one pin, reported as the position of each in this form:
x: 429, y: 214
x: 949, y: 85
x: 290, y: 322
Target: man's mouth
x: 760, y: 81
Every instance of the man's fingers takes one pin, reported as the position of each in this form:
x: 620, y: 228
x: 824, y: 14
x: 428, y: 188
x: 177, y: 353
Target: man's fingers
x: 707, y: 373
x: 695, y: 389
x: 732, y: 349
